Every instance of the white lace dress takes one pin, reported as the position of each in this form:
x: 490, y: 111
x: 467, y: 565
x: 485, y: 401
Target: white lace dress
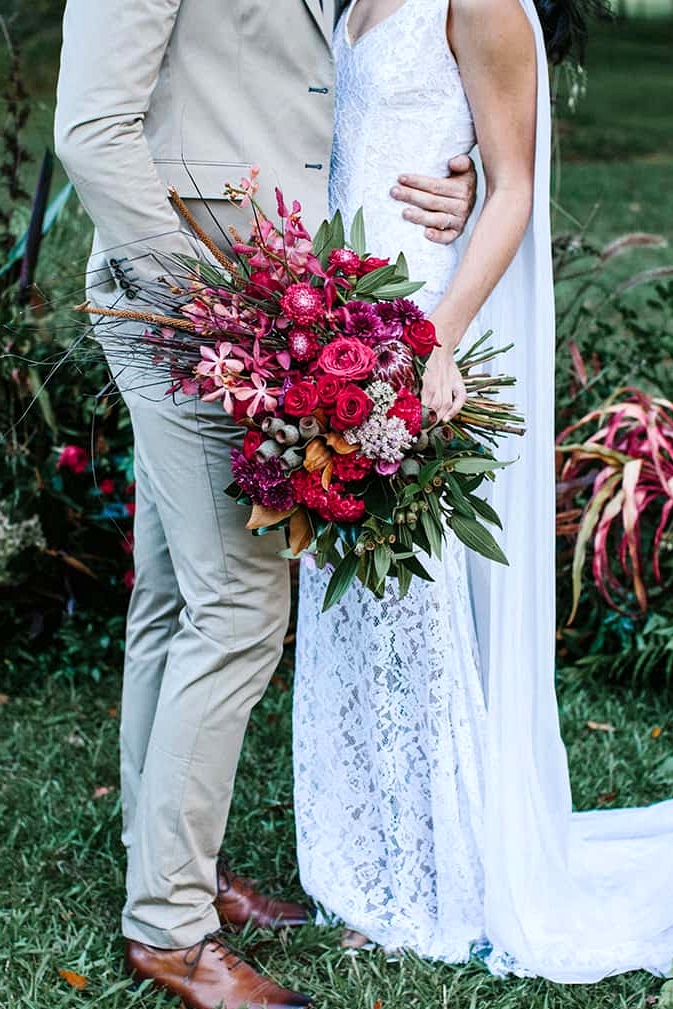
x: 423, y: 820
x: 389, y: 715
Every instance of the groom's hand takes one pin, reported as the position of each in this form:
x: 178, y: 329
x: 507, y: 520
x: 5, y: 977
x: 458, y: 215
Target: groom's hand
x: 441, y: 206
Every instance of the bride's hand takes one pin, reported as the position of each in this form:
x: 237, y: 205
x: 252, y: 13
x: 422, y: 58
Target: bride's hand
x: 443, y: 387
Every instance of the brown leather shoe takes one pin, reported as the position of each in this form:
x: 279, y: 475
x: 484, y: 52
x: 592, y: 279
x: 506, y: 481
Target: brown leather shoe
x: 209, y: 976
x: 238, y: 903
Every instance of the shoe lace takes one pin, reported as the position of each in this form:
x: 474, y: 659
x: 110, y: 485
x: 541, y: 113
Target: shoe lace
x: 192, y: 957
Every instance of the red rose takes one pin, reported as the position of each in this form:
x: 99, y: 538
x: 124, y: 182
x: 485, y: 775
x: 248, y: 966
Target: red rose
x: 347, y: 358
x: 329, y: 388
x: 421, y: 336
x: 301, y: 399
x: 408, y: 408
x: 353, y: 406
x: 370, y: 264
x: 251, y: 442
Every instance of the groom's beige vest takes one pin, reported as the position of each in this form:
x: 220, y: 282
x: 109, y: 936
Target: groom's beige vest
x: 189, y: 93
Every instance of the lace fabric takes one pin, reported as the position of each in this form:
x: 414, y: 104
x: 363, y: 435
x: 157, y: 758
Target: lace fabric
x: 426, y: 819
x: 389, y: 706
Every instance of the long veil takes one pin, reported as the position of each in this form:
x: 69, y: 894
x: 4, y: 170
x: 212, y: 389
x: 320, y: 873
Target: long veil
x: 572, y: 897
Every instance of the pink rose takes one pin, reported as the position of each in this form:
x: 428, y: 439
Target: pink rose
x: 353, y: 406
x: 301, y: 399
x: 347, y: 358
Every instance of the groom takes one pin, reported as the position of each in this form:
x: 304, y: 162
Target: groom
x: 191, y: 93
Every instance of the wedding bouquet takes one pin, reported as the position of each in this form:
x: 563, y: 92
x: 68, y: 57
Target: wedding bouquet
x: 313, y: 346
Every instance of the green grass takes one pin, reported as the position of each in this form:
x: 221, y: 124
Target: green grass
x: 62, y: 865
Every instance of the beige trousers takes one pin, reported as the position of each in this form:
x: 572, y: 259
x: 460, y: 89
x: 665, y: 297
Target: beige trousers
x: 206, y: 623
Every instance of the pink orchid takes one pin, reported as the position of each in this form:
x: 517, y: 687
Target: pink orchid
x: 260, y: 397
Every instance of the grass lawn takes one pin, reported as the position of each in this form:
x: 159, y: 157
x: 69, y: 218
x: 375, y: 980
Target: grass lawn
x: 61, y: 864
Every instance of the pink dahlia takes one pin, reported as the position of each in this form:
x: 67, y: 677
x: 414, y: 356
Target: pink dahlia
x: 303, y: 345
x: 302, y: 304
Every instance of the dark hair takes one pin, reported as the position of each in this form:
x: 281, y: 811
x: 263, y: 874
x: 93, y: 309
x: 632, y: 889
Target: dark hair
x: 565, y: 25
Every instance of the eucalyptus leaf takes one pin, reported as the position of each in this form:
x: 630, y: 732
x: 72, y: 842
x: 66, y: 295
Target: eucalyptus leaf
x: 477, y: 538
x: 358, y: 241
x: 400, y: 289
x: 342, y: 578
x: 369, y: 284
x: 473, y: 465
x: 484, y: 509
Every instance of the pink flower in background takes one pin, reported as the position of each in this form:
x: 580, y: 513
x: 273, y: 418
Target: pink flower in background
x: 129, y: 578
x: 74, y: 458
x: 107, y: 486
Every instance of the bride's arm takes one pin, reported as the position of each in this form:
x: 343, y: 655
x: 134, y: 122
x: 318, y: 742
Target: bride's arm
x: 495, y: 49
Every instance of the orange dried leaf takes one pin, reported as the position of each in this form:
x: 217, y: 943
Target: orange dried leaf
x: 656, y: 732
x: 317, y: 455
x: 340, y: 445
x: 77, y: 981
x: 4, y: 698
x: 301, y: 531
x: 262, y: 517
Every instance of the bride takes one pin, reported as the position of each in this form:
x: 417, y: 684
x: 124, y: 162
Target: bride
x: 432, y: 795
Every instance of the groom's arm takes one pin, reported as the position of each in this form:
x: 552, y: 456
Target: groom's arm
x: 441, y: 206
x: 111, y: 57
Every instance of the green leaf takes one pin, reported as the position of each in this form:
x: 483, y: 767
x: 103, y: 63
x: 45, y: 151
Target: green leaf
x: 457, y: 499
x: 416, y: 568
x: 369, y: 284
x: 433, y: 531
x: 402, y: 267
x: 404, y: 576
x: 382, y: 561
x: 341, y: 579
x: 484, y: 509
x: 430, y: 470
x: 358, y: 241
x: 322, y: 242
x: 399, y: 289
x: 472, y: 465
x: 477, y: 538
x: 338, y: 232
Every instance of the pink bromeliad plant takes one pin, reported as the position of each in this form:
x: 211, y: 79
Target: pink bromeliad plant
x: 627, y: 464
